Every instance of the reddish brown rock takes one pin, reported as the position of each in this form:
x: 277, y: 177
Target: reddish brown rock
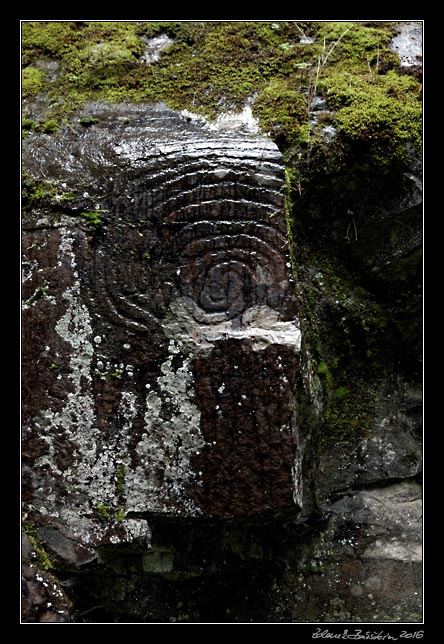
x: 160, y: 327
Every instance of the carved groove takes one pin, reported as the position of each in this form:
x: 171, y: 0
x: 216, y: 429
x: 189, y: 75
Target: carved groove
x: 213, y: 212
x: 230, y: 266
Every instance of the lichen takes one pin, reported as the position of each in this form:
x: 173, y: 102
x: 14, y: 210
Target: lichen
x: 160, y: 482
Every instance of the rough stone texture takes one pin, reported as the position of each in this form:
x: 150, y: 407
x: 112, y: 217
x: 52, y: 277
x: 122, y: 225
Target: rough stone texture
x: 43, y: 599
x: 392, y: 450
x: 408, y: 44
x: 366, y: 565
x: 161, y: 341
x: 175, y: 466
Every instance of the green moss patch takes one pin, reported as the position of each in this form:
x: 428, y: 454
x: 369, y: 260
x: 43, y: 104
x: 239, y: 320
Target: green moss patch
x: 44, y: 561
x: 280, y: 67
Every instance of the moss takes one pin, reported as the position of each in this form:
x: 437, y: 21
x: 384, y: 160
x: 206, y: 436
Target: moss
x: 32, y: 81
x: 44, y: 561
x: 352, y: 44
x: 349, y: 417
x: 86, y: 121
x: 120, y: 485
x: 348, y: 334
x: 340, y: 392
x: 40, y: 191
x: 212, y: 66
x: 282, y: 112
x: 385, y: 113
x: 103, y: 511
x: 40, y: 292
x: 29, y: 124
x: 120, y: 514
x: 45, y: 194
x: 93, y: 217
x: 49, y: 127
x: 117, y: 511
x: 51, y: 39
x: 325, y: 373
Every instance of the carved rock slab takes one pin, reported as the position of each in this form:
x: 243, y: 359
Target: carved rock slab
x: 160, y: 332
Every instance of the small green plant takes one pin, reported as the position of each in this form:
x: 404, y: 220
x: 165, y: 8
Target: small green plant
x: 86, y: 121
x: 50, y: 126
x: 43, y: 559
x: 120, y: 514
x: 40, y: 291
x: 325, y: 373
x: 340, y: 392
x: 29, y: 124
x: 39, y: 192
x: 54, y: 366
x: 103, y: 511
x: 107, y: 513
x: 32, y: 81
x: 93, y: 217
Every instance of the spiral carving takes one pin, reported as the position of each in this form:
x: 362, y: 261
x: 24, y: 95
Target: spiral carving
x: 198, y: 217
x: 228, y: 267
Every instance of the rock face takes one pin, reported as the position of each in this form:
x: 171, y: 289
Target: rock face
x: 175, y: 465
x: 365, y: 564
x: 160, y: 324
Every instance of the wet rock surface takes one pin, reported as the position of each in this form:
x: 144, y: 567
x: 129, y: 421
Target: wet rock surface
x: 43, y: 598
x: 364, y: 565
x: 175, y: 295
x: 174, y: 464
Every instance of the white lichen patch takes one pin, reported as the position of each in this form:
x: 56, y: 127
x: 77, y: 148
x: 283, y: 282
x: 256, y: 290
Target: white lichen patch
x: 170, y: 440
x: 28, y: 269
x: 128, y: 409
x: 89, y: 471
x: 242, y: 120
